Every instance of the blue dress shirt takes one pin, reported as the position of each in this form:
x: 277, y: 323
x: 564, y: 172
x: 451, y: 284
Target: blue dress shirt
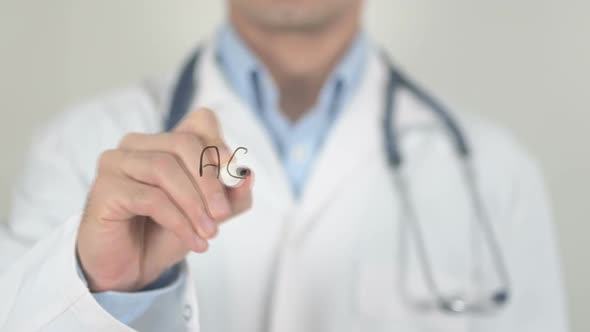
x: 298, y: 143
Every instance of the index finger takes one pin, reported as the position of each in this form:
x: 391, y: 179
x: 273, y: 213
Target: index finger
x: 204, y: 124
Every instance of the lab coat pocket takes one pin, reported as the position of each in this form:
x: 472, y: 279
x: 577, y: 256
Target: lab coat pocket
x: 377, y: 294
x: 381, y: 306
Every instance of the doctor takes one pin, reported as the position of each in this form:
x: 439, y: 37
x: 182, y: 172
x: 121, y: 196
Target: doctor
x: 131, y: 237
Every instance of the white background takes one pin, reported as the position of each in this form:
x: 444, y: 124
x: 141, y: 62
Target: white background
x: 525, y: 64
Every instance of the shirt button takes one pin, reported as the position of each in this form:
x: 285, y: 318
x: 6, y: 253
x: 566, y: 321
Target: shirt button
x: 187, y: 312
x: 299, y: 153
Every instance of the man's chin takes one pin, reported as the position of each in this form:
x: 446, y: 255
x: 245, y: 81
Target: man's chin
x: 293, y: 20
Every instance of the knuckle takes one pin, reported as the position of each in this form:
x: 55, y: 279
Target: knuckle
x: 163, y: 163
x: 147, y: 200
x: 104, y: 160
x: 208, y: 115
x: 97, y: 187
x: 205, y: 118
x: 128, y: 138
x: 200, y: 114
x: 105, y: 194
x: 101, y: 182
x: 184, y: 140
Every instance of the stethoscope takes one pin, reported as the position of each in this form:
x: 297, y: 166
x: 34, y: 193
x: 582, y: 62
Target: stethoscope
x: 182, y: 97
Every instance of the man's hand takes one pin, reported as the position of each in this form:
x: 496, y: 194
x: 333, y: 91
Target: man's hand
x: 149, y: 206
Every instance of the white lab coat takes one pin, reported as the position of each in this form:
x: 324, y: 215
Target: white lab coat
x: 328, y: 262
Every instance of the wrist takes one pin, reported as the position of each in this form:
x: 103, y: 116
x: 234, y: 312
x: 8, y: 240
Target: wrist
x: 103, y: 279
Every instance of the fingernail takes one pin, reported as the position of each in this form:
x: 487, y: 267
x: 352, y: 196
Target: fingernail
x: 209, y: 226
x: 219, y: 206
x: 200, y: 245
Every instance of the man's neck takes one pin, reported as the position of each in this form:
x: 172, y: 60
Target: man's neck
x: 299, y: 61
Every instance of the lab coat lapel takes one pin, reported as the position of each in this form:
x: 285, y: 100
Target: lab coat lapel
x: 356, y: 139
x: 352, y: 140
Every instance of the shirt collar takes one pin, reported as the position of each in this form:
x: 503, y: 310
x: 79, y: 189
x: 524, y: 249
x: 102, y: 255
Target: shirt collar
x: 237, y: 62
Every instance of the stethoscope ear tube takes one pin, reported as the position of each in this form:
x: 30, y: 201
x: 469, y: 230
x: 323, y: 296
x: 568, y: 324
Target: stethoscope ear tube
x: 396, y: 79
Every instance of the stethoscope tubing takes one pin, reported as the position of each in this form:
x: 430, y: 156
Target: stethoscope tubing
x: 182, y: 97
x: 391, y: 142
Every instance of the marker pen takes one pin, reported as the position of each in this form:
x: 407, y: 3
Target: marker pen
x: 233, y: 174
